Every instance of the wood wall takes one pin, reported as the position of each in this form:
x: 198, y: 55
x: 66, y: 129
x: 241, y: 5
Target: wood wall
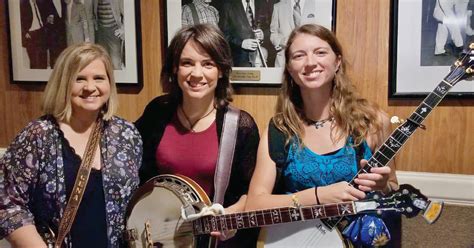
x: 363, y: 29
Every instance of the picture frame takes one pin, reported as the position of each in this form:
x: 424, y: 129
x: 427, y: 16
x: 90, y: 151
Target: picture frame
x: 60, y: 32
x: 323, y: 11
x: 423, y: 48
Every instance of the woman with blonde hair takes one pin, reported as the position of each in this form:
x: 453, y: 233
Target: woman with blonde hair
x: 43, y: 164
x: 310, y: 150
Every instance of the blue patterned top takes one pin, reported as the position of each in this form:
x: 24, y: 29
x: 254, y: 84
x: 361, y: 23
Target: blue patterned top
x: 32, y: 185
x: 306, y: 169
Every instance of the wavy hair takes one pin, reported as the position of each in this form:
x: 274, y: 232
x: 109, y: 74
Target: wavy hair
x: 211, y: 39
x: 353, y: 114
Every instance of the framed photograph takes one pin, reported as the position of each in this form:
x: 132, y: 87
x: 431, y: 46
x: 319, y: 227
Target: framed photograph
x: 260, y: 64
x: 427, y: 38
x: 40, y: 29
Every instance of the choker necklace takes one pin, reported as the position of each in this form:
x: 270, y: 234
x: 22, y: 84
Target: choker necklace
x: 319, y: 123
x: 191, y: 125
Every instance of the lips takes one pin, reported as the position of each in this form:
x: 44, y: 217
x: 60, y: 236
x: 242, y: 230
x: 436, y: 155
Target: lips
x: 196, y: 84
x: 89, y: 98
x: 311, y: 73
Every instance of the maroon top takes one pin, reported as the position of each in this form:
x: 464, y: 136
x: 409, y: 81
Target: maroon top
x: 192, y: 154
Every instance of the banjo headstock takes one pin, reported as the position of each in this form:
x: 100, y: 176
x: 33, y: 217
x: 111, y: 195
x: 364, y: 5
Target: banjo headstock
x: 463, y: 68
x: 409, y: 201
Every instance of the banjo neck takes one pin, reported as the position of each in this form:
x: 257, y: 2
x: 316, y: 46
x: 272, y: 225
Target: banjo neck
x: 268, y: 217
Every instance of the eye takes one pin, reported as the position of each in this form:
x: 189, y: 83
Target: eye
x: 185, y: 63
x: 321, y: 52
x: 80, y: 79
x: 100, y: 78
x: 297, y: 56
x: 209, y: 64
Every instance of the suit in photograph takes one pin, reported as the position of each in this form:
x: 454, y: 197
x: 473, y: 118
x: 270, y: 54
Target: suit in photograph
x: 282, y: 24
x: 236, y: 28
x: 55, y: 29
x: 33, y: 32
x: 109, y: 31
x: 79, y: 24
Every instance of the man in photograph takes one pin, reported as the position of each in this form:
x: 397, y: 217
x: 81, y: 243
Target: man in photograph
x: 109, y: 29
x: 79, y: 22
x: 55, y: 29
x: 33, y: 14
x: 288, y: 14
x: 240, y: 23
x: 452, y: 17
x: 199, y: 11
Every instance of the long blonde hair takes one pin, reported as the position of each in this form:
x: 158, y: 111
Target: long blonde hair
x: 57, y: 95
x: 353, y: 115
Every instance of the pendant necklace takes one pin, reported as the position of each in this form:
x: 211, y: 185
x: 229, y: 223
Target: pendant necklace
x: 319, y: 123
x: 191, y: 125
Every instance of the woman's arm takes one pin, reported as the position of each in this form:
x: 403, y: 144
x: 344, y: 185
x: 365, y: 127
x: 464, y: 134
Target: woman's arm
x: 26, y: 237
x: 263, y: 180
x: 260, y: 193
x: 18, y: 174
x: 382, y: 178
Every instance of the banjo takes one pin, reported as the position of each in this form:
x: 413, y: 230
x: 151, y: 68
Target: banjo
x: 321, y: 233
x: 154, y: 219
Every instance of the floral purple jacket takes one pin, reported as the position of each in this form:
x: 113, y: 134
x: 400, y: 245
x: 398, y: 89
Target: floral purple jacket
x: 32, y: 188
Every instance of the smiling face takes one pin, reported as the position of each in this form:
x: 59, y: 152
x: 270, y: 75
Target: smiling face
x: 91, y: 89
x: 197, y: 72
x: 312, y: 62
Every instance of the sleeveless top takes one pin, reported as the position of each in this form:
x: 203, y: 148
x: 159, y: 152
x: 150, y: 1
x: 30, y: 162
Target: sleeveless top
x: 89, y: 226
x: 306, y: 169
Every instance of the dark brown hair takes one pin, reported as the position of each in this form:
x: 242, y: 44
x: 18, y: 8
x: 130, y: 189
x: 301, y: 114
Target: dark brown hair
x: 211, y: 39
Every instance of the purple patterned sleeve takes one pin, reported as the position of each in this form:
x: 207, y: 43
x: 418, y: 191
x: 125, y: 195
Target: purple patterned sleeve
x: 18, y: 172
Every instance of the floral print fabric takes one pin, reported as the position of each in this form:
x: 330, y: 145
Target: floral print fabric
x: 32, y: 188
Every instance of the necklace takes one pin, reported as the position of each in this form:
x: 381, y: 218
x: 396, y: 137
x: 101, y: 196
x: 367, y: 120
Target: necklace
x: 191, y: 125
x: 319, y: 123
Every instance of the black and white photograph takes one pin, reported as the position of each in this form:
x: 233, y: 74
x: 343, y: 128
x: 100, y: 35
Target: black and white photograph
x: 446, y: 30
x: 257, y: 30
x: 427, y: 38
x: 41, y: 29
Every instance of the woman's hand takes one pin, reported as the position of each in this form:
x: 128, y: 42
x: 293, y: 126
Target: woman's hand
x: 339, y: 192
x: 239, y: 206
x: 377, y: 179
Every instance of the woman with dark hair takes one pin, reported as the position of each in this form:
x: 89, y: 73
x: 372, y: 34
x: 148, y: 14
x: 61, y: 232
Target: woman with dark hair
x: 310, y: 150
x: 182, y: 130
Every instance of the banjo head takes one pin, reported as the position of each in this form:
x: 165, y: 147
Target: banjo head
x: 154, y: 214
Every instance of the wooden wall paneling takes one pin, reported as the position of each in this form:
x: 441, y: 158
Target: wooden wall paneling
x: 363, y: 30
x: 4, y: 74
x: 133, y: 99
x: 21, y: 101
x: 259, y: 102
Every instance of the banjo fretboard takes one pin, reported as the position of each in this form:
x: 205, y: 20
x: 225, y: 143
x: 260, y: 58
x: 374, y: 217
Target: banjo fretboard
x: 268, y: 217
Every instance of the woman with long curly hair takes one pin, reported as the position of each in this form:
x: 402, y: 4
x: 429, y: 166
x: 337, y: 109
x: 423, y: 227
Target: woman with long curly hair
x: 321, y: 128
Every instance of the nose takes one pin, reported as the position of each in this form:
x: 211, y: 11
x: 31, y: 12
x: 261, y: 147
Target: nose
x: 311, y: 60
x: 89, y: 85
x: 197, y: 71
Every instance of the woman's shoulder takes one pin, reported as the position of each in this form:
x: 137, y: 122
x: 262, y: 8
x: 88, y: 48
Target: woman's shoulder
x: 161, y: 101
x: 41, y: 125
x: 377, y: 137
x: 160, y: 105
x: 246, y: 119
x: 119, y: 122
